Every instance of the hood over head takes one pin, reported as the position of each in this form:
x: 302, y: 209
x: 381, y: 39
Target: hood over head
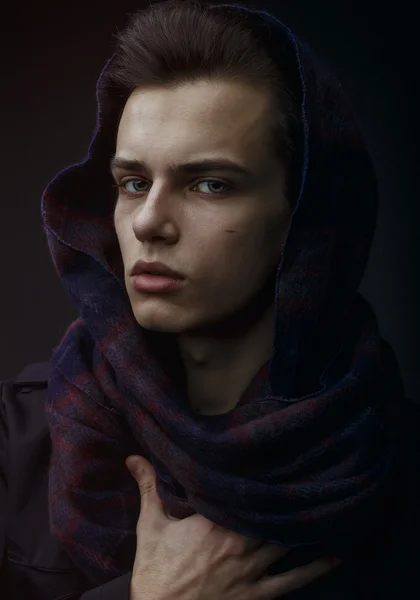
x: 328, y: 242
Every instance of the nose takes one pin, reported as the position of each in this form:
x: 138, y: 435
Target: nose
x: 155, y: 219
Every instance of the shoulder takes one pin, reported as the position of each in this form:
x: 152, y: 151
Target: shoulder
x: 32, y: 562
x: 25, y: 391
x: 24, y: 424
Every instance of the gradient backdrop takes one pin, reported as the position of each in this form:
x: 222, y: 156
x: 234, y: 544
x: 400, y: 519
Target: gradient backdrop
x: 51, y: 57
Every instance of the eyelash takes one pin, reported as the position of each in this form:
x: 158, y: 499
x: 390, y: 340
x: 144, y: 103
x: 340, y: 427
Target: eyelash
x: 121, y: 187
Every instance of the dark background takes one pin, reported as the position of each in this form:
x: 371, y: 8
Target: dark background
x: 50, y: 60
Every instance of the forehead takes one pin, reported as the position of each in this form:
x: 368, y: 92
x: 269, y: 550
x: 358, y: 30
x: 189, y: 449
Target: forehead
x: 175, y: 123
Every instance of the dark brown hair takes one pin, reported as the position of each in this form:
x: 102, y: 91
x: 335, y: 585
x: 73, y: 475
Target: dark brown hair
x: 180, y: 41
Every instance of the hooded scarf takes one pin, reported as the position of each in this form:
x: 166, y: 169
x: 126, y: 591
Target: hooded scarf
x: 307, y: 456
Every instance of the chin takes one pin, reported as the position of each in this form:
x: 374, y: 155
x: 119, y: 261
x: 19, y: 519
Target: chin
x: 176, y: 322
x: 165, y: 317
x: 162, y: 321
x: 160, y: 327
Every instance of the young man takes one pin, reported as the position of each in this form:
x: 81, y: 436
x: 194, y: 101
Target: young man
x: 213, y: 241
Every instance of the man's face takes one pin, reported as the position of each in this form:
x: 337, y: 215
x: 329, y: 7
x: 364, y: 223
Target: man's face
x: 222, y: 230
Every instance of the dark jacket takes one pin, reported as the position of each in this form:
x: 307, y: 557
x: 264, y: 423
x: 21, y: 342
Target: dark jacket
x: 35, y: 567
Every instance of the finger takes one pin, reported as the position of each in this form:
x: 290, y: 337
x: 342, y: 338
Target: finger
x: 264, y: 557
x: 270, y: 588
x: 144, y: 473
x: 254, y: 544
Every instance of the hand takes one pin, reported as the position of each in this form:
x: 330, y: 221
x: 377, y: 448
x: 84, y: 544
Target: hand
x: 195, y: 559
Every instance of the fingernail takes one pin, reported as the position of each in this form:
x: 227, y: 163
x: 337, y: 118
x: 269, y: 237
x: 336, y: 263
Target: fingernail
x: 336, y: 560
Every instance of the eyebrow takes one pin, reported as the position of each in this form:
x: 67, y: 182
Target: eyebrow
x: 138, y: 166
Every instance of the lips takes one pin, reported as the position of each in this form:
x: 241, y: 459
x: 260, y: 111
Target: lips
x: 142, y: 267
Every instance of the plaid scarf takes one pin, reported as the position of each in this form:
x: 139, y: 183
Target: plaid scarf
x: 308, y: 454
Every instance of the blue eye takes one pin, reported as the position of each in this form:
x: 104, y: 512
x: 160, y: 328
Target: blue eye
x: 210, y: 182
x: 138, y: 183
x: 134, y: 182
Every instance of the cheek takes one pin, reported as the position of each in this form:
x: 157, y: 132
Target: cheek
x: 254, y: 238
x: 235, y: 256
x: 250, y: 250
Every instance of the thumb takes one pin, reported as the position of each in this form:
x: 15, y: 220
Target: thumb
x: 141, y: 469
x: 144, y: 473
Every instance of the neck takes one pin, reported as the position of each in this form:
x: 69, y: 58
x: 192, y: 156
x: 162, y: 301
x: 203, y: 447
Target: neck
x: 219, y: 367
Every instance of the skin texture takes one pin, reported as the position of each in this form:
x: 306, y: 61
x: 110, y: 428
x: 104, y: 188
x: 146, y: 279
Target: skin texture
x: 225, y: 244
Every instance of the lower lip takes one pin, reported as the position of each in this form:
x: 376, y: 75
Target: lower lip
x: 156, y: 283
